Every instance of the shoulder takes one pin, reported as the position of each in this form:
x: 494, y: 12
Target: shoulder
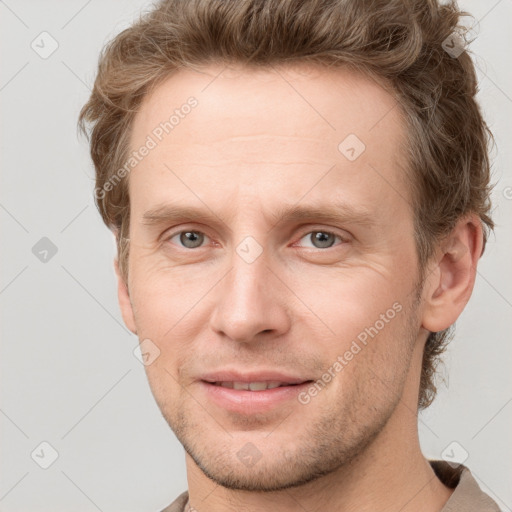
x: 467, y: 495
x: 178, y: 505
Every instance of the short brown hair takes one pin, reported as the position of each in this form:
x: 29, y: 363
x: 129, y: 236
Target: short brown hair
x: 399, y: 42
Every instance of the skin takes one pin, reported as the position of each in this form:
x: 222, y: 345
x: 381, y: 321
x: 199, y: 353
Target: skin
x: 257, y: 141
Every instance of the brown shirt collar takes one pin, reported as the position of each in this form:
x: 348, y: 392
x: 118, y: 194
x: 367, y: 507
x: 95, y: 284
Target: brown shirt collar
x: 467, y: 496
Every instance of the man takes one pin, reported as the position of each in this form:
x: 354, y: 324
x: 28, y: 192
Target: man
x: 300, y: 196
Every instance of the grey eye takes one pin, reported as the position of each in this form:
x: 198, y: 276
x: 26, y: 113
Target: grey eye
x: 191, y: 239
x: 321, y: 239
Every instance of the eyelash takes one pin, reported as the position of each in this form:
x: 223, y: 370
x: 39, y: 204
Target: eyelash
x: 341, y: 238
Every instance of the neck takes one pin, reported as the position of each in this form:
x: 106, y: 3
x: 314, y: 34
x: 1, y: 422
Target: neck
x: 386, y: 476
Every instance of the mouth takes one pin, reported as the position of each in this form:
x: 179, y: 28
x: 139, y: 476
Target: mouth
x: 254, y: 386
x: 248, y: 397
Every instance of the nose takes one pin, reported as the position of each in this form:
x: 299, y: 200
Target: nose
x: 251, y: 302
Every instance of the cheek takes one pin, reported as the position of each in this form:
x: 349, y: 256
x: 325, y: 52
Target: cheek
x: 164, y: 298
x: 365, y: 331
x: 353, y: 302
x: 368, y: 370
x: 166, y: 305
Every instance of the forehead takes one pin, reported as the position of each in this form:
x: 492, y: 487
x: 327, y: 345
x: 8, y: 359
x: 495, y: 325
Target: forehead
x: 273, y: 98
x: 267, y: 126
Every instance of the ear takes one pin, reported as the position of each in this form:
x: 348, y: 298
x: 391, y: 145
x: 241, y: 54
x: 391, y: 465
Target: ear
x: 451, y: 279
x: 124, y: 300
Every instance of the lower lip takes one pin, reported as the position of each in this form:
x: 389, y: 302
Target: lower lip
x: 251, y: 402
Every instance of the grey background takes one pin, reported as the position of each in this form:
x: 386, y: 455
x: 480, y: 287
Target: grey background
x: 69, y: 376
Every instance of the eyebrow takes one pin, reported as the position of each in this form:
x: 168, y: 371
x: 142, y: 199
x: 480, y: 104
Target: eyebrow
x: 337, y: 212
x: 169, y: 212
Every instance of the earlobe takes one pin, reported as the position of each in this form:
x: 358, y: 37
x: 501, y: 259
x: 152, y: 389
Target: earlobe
x: 124, y: 300
x: 451, y: 281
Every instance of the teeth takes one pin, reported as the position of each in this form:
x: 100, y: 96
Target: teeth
x: 257, y: 386
x: 251, y: 386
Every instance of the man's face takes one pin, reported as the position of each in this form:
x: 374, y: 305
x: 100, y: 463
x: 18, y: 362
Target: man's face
x: 245, y: 292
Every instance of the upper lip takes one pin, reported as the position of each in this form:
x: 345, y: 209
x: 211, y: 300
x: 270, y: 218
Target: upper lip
x: 251, y: 376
